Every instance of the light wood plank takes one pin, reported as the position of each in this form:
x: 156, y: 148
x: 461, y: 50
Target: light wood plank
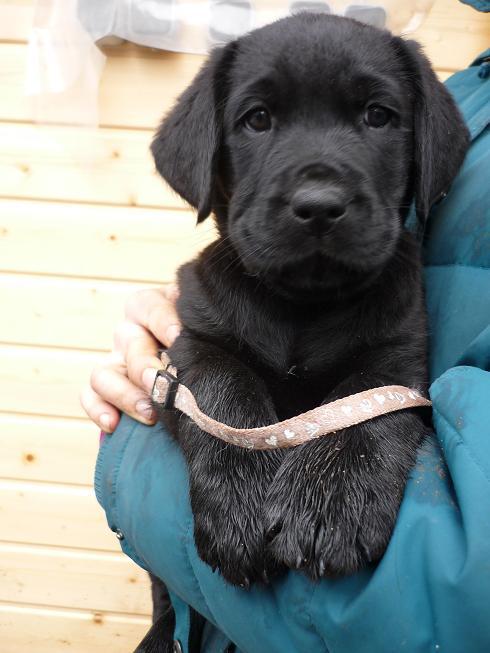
x: 42, y: 630
x: 137, y: 91
x: 81, y: 165
x: 444, y: 74
x: 16, y: 18
x: 43, y: 381
x: 98, y: 241
x: 60, y: 515
x: 453, y: 34
x: 61, y: 312
x: 74, y: 579
x: 36, y: 448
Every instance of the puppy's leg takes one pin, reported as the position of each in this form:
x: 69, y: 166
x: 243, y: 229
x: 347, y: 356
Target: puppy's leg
x: 228, y: 484
x: 159, y: 639
x: 333, y: 504
x: 160, y: 598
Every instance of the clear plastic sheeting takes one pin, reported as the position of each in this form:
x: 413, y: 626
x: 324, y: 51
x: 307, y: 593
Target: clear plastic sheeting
x: 199, y: 25
x: 64, y: 65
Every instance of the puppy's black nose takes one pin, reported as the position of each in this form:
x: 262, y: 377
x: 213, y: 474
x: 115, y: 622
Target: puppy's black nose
x: 318, y: 205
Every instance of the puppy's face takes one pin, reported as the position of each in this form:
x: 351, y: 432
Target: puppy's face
x: 313, y: 133
x: 319, y: 142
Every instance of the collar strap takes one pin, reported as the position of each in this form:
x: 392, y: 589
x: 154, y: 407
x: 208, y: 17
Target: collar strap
x: 323, y: 420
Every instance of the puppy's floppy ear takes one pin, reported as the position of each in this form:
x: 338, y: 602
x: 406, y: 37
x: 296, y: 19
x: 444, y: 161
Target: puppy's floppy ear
x: 186, y: 146
x: 441, y: 137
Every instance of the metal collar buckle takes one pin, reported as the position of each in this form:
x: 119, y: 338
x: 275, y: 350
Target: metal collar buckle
x: 165, y: 389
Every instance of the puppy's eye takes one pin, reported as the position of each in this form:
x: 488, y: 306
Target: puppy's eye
x: 377, y: 116
x: 258, y: 120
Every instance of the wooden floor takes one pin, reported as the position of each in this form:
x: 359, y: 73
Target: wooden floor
x: 84, y: 220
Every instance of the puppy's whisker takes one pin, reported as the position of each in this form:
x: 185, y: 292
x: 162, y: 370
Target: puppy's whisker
x: 246, y: 254
x: 267, y: 251
x: 222, y: 252
x: 264, y: 252
x: 222, y: 257
x: 396, y: 207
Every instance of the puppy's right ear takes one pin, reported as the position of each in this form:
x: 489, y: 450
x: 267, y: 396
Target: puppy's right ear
x: 186, y: 146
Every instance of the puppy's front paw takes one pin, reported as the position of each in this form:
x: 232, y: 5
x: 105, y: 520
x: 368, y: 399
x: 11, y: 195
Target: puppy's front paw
x: 331, y: 513
x: 228, y: 520
x: 231, y: 542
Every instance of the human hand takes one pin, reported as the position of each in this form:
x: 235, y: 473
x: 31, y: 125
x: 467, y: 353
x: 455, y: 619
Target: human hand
x: 123, y: 379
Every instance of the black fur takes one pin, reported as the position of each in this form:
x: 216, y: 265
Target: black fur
x: 287, y: 310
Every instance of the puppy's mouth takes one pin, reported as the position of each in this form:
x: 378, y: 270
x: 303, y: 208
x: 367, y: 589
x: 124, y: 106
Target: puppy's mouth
x: 312, y: 274
x: 312, y: 279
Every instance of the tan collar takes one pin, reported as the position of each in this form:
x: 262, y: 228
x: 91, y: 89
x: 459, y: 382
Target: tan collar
x: 323, y: 420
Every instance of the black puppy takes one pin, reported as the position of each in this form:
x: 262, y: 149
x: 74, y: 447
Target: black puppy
x: 308, y: 139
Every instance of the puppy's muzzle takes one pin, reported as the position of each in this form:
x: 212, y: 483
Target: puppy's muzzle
x: 318, y: 206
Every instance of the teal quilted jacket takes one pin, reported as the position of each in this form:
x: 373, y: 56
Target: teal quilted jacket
x: 431, y: 591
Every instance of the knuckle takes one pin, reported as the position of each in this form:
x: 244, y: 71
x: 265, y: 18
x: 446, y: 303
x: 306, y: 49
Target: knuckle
x: 83, y: 399
x: 98, y: 377
x: 156, y: 314
x: 136, y: 300
x: 95, y: 378
x: 136, y: 364
x: 170, y: 291
x: 160, y: 315
x: 126, y: 401
x: 119, y: 329
x: 87, y: 401
x: 126, y: 331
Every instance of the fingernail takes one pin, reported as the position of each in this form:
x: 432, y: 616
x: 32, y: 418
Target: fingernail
x: 172, y: 332
x: 106, y: 422
x: 144, y: 409
x: 148, y: 378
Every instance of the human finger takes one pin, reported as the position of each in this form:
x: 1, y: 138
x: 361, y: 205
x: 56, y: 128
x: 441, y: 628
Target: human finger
x: 139, y: 349
x: 102, y: 413
x: 114, y: 387
x: 154, y: 309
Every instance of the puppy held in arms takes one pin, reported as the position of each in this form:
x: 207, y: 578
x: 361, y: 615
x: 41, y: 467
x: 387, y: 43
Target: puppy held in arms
x: 308, y: 140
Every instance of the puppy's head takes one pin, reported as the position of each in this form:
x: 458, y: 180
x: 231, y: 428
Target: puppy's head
x: 308, y: 139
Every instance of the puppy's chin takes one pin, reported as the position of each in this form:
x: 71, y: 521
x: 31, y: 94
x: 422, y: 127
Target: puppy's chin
x: 314, y: 279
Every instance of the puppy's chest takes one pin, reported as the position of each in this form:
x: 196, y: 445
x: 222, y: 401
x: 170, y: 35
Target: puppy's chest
x: 300, y: 389
x: 300, y: 362
x: 296, y: 346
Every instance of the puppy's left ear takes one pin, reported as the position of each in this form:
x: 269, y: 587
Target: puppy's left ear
x: 441, y: 137
x: 186, y: 146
